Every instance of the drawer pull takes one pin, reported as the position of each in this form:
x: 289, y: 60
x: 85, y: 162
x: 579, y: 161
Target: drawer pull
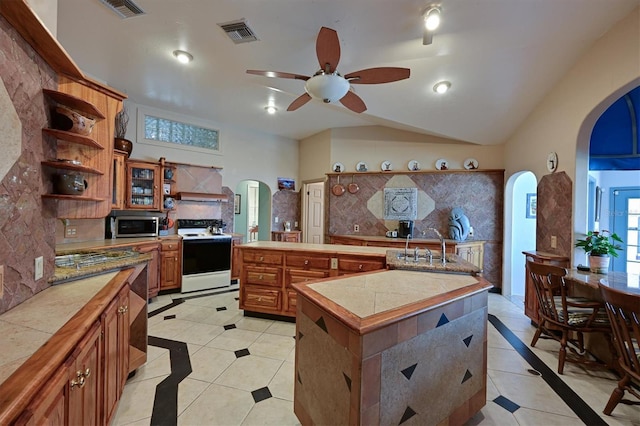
x: 260, y: 277
x: 79, y: 383
x: 360, y: 267
x: 306, y: 261
x: 261, y: 258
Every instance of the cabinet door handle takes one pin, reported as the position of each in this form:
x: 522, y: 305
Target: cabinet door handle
x: 360, y: 267
x: 79, y: 383
x: 306, y: 261
x: 261, y: 258
x: 260, y: 277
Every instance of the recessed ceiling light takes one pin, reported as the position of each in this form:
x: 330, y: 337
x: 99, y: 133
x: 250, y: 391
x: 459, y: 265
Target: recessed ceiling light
x: 432, y: 18
x: 182, y: 56
x: 271, y: 109
x: 442, y: 87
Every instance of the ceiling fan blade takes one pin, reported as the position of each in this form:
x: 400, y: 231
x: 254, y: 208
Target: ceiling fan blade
x: 353, y: 102
x: 301, y: 100
x: 378, y: 75
x: 278, y: 74
x: 328, y: 49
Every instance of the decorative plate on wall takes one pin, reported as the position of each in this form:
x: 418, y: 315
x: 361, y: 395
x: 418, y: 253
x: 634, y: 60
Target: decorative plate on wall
x: 470, y: 164
x: 413, y: 165
x: 361, y: 167
x: 386, y: 166
x: 337, y: 167
x: 442, y: 164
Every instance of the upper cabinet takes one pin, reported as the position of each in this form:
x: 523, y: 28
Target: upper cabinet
x: 143, y: 185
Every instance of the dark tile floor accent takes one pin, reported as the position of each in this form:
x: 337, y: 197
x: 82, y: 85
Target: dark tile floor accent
x: 229, y: 326
x: 261, y: 394
x: 507, y: 404
x: 242, y: 352
x: 222, y: 308
x: 173, y: 304
x: 168, y: 317
x: 573, y: 401
x: 165, y: 405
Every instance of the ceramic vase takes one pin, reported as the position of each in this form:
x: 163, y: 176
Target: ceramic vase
x: 599, y: 264
x: 123, y: 145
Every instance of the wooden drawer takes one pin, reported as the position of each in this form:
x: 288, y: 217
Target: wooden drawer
x: 292, y: 301
x: 261, y: 257
x: 262, y: 276
x: 308, y: 261
x: 261, y: 298
x: 354, y: 265
x: 299, y: 276
x: 168, y: 245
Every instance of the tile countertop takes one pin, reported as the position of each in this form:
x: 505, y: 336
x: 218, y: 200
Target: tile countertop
x: 628, y: 283
x: 455, y: 263
x: 25, y: 328
x: 371, y: 300
x: 415, y: 240
x: 63, y: 274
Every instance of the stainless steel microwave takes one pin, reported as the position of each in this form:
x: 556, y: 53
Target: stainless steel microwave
x: 132, y: 226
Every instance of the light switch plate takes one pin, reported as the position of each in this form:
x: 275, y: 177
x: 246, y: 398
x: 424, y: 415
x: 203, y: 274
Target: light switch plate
x: 39, y: 268
x: 554, y: 241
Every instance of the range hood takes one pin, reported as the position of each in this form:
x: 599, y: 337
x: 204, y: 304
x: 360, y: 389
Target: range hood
x: 202, y: 197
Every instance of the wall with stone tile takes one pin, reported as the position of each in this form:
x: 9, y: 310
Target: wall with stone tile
x: 479, y: 193
x: 554, y: 212
x: 286, y: 207
x: 27, y: 224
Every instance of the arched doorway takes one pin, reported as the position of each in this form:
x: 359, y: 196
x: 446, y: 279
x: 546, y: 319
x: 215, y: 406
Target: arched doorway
x: 253, y: 213
x: 521, y: 235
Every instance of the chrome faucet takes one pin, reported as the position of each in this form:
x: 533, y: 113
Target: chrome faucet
x: 428, y: 255
x: 442, y: 245
x: 406, y: 246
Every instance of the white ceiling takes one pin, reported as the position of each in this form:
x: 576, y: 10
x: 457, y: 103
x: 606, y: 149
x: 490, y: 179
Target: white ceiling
x: 502, y: 57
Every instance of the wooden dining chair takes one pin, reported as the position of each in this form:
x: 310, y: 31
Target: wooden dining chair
x: 565, y: 318
x: 624, y: 314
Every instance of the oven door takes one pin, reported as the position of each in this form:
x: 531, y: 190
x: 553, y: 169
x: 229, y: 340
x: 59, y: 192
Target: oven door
x: 206, y: 263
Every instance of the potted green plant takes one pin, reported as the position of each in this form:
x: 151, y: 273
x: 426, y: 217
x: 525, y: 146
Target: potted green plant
x: 599, y: 246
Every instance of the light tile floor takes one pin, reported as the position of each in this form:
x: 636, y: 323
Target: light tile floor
x: 224, y: 385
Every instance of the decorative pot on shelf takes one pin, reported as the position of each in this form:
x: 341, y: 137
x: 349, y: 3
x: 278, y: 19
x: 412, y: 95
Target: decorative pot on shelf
x: 70, y: 183
x: 599, y: 264
x: 168, y: 173
x: 122, y: 144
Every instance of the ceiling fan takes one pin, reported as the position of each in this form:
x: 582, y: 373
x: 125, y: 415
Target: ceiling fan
x: 327, y: 84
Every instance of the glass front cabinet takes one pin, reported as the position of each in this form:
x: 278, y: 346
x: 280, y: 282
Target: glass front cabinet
x: 143, y: 186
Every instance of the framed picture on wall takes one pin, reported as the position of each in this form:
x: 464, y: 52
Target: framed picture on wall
x: 236, y: 203
x: 532, y: 205
x: 286, y: 184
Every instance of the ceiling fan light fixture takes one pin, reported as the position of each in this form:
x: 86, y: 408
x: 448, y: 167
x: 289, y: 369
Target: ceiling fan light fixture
x: 432, y: 18
x: 271, y: 109
x: 182, y: 56
x: 327, y: 87
x: 442, y: 87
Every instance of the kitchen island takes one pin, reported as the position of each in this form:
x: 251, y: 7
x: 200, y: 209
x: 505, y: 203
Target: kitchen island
x: 391, y: 346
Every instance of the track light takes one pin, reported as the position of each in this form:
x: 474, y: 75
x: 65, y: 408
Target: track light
x: 432, y: 18
x: 441, y: 87
x: 182, y: 56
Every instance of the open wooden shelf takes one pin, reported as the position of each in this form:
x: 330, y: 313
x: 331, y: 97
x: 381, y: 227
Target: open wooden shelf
x: 76, y: 103
x: 69, y: 166
x: 72, y: 197
x: 73, y: 137
x: 201, y: 196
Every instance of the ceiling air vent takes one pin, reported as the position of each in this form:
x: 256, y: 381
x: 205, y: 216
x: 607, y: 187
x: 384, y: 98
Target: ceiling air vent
x: 123, y: 8
x: 239, y: 31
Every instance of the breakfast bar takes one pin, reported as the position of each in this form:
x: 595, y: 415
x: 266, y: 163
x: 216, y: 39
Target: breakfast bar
x: 388, y: 346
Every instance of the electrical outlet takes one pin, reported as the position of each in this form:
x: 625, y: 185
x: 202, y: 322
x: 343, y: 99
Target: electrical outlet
x: 356, y: 228
x: 276, y: 219
x: 334, y: 263
x: 554, y: 241
x: 471, y: 231
x: 295, y: 224
x: 70, y: 232
x: 1, y: 281
x: 39, y: 268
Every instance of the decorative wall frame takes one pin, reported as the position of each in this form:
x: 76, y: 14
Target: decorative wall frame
x: 236, y: 204
x: 532, y: 206
x: 400, y: 203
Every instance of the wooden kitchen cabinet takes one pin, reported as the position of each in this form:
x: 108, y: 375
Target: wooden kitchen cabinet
x: 144, y: 181
x: 115, y: 331
x: 119, y: 181
x: 170, y: 263
x: 286, y: 236
x: 530, y: 298
x: 267, y: 275
x: 153, y: 272
x: 472, y: 252
x: 235, y: 257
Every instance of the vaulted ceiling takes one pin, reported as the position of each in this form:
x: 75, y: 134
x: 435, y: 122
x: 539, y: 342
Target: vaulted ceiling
x: 501, y: 56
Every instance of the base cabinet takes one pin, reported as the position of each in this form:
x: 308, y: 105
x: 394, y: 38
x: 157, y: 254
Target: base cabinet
x: 153, y: 272
x: 170, y: 264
